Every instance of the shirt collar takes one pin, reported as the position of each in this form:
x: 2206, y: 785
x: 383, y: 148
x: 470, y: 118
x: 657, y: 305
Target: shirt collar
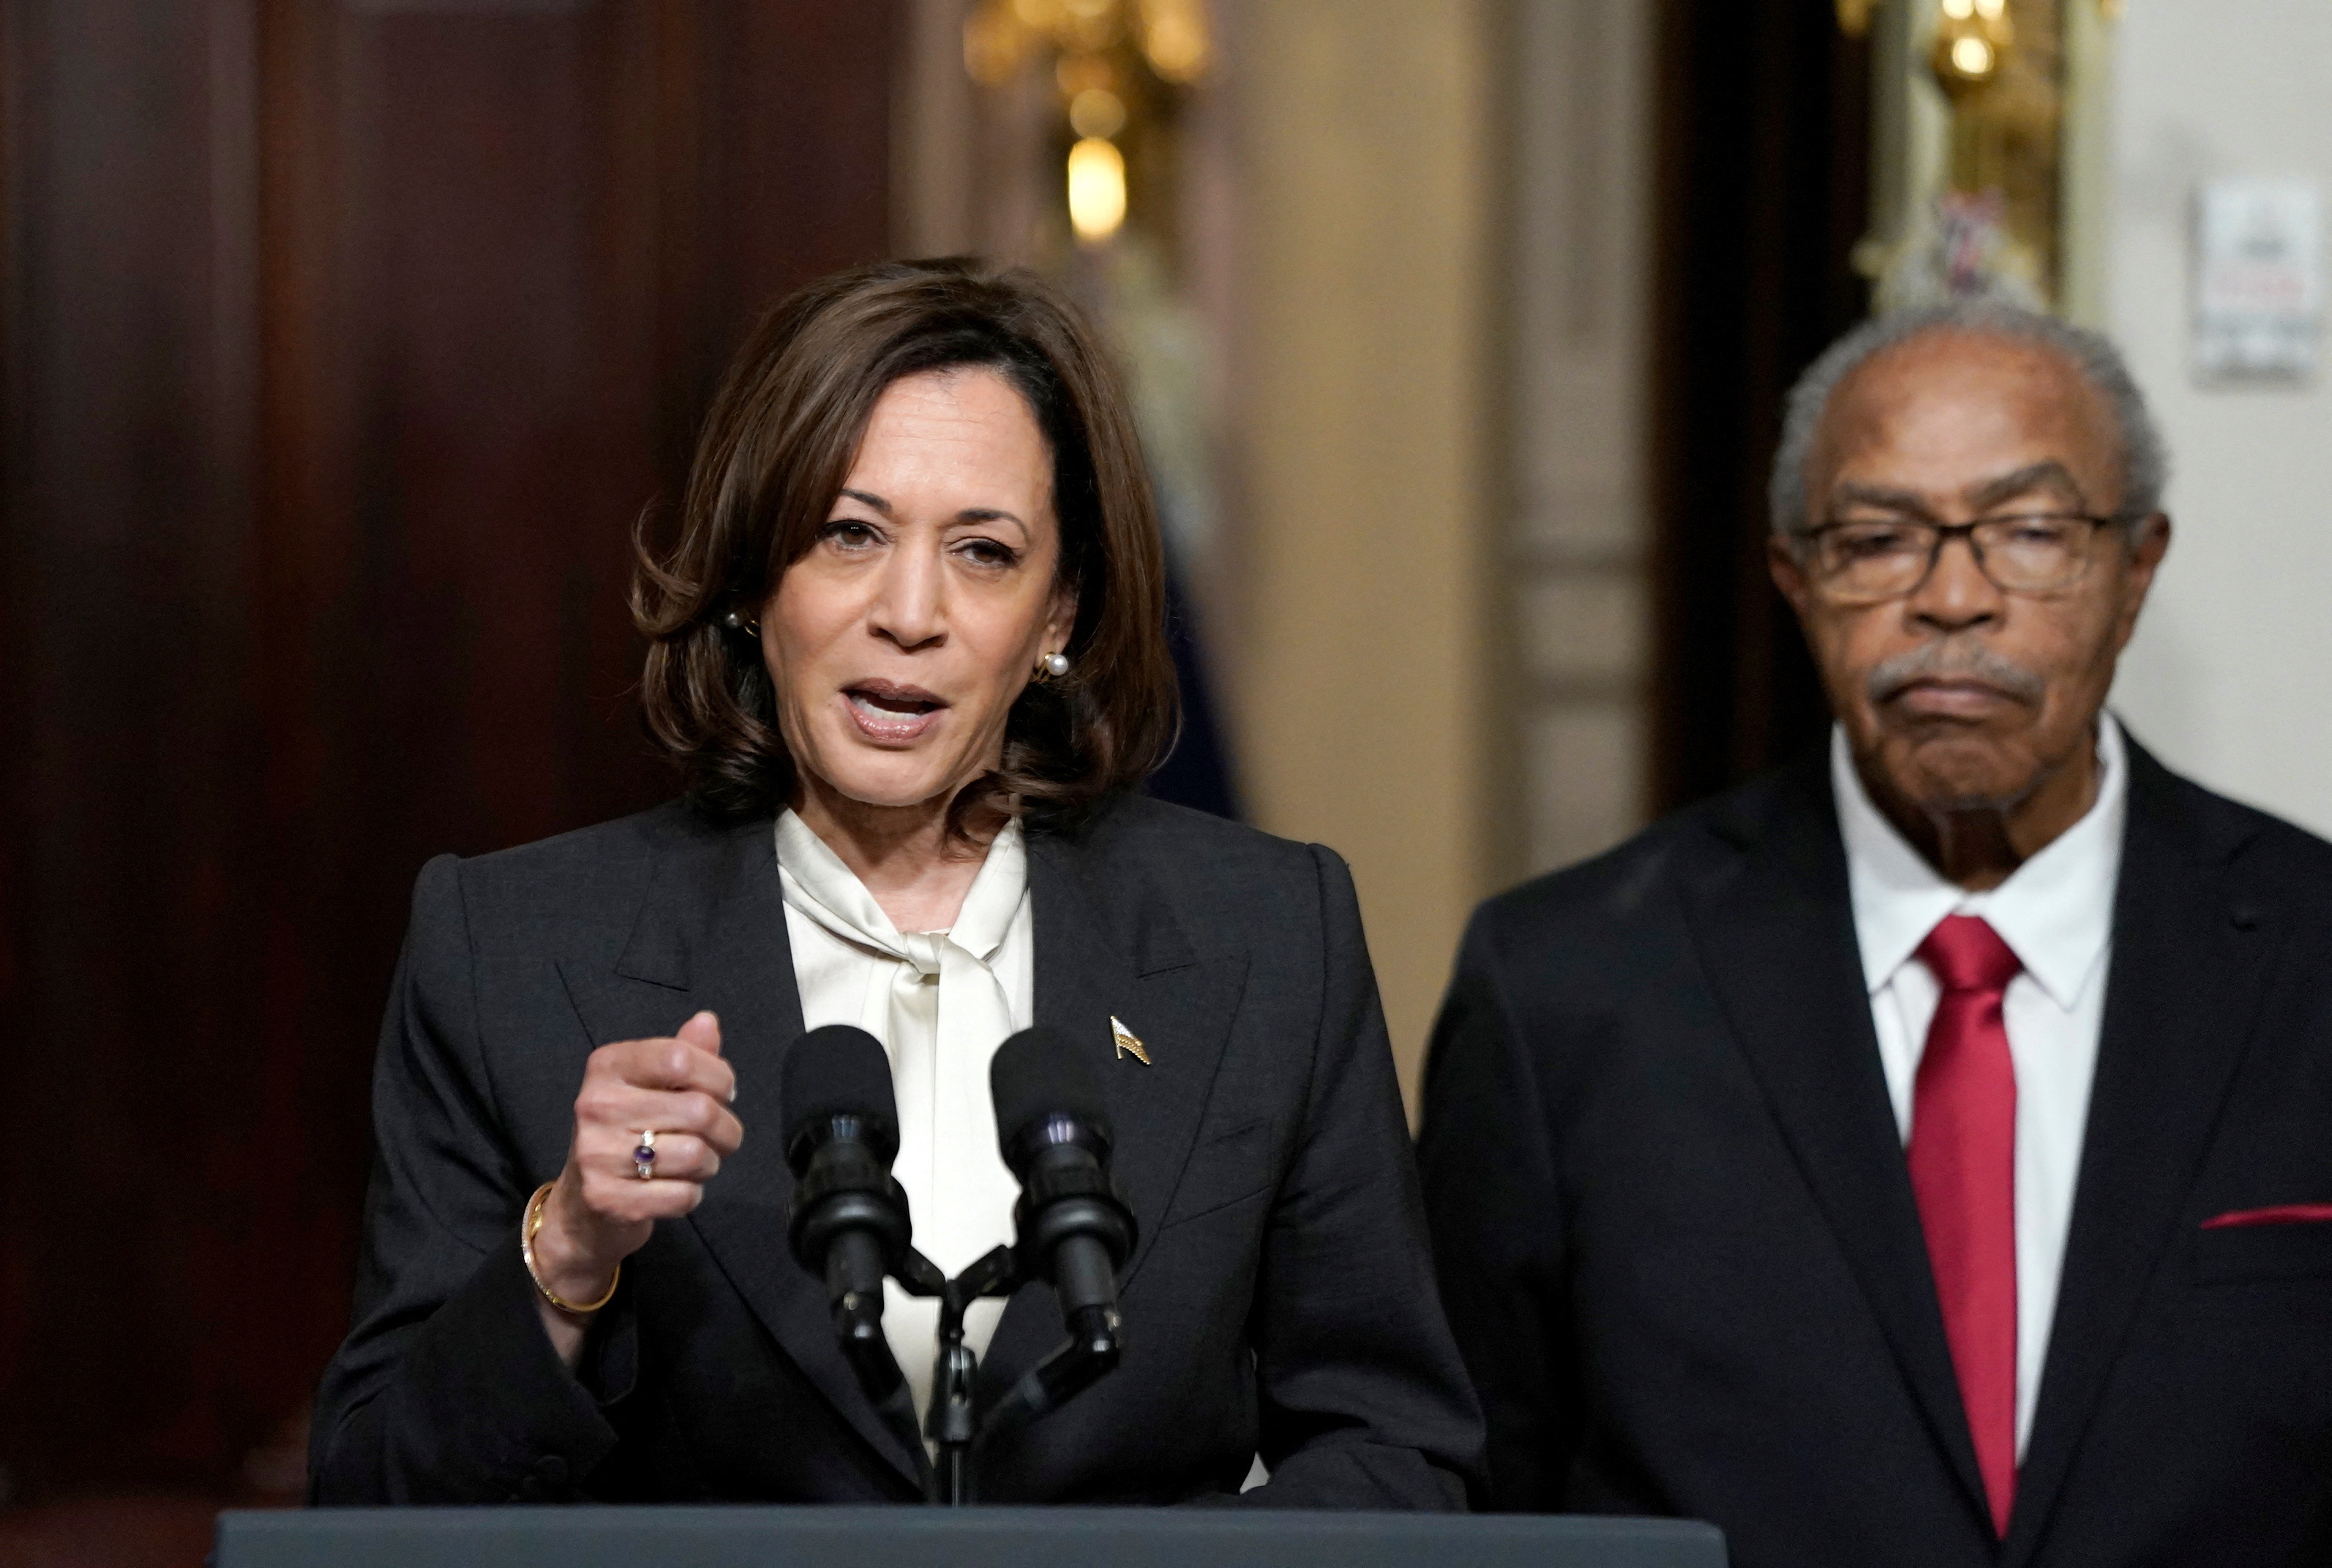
x: 816, y: 881
x: 2055, y: 911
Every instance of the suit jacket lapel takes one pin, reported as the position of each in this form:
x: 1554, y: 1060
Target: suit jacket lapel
x: 2185, y: 986
x: 711, y: 933
x: 1775, y: 928
x: 1108, y: 945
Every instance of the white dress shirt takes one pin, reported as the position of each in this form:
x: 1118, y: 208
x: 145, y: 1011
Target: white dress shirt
x: 2056, y: 913
x: 940, y: 1002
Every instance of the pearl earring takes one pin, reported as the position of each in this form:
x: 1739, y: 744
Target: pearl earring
x: 1055, y: 664
x: 737, y: 622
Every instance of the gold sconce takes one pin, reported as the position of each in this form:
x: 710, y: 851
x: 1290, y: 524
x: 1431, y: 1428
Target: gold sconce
x: 1972, y: 38
x: 1979, y: 99
x: 2000, y: 62
x: 1117, y: 68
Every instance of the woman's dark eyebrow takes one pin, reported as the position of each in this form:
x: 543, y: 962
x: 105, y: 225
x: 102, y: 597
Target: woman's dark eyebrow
x: 968, y: 514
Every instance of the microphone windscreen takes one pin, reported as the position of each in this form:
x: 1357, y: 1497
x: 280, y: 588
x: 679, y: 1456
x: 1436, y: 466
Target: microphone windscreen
x: 1038, y: 1073
x: 834, y: 1071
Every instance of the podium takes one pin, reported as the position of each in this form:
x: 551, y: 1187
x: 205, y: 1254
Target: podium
x: 975, y: 1537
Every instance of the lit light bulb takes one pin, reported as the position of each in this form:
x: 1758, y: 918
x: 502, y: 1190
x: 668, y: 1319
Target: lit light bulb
x: 1972, y: 57
x: 1959, y: 10
x: 1096, y: 189
x: 1991, y: 10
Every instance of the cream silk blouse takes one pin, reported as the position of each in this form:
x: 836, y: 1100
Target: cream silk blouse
x: 941, y: 1001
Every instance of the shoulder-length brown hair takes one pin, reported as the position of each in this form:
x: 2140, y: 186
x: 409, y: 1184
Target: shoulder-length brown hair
x: 777, y: 448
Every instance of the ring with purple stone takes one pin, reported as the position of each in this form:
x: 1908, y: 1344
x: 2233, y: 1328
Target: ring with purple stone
x: 644, y: 1157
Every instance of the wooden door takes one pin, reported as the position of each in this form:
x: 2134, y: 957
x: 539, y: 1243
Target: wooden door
x: 343, y: 346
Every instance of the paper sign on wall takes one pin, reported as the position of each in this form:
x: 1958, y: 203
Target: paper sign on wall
x: 2258, y: 279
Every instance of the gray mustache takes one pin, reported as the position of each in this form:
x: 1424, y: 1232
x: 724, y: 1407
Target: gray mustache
x: 1947, y: 661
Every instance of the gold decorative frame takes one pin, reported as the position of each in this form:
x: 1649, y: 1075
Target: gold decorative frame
x: 1988, y: 157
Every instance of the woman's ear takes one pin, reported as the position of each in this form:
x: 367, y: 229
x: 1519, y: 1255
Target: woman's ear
x: 1061, y: 618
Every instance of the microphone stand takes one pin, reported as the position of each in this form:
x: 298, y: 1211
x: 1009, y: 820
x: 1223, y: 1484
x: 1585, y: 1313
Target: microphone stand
x: 858, y: 1324
x: 954, y: 1425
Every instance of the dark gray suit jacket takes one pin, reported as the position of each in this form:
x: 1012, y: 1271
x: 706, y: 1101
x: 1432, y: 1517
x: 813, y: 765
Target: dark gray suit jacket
x: 1679, y: 1246
x: 1281, y: 1299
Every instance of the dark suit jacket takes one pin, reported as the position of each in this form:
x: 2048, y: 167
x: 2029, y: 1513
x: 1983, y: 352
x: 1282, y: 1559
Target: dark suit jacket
x: 1281, y: 1298
x: 1678, y: 1242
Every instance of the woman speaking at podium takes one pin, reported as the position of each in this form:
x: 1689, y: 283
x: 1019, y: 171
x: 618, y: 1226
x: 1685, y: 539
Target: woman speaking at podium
x: 909, y: 651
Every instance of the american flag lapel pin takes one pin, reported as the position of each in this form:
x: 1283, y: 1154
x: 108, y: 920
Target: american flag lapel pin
x: 1128, y: 1043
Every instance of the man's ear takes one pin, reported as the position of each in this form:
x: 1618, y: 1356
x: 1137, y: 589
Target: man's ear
x: 1789, y: 569
x: 2147, y: 546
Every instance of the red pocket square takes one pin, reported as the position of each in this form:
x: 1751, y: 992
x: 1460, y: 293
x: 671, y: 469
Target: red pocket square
x: 2281, y: 1214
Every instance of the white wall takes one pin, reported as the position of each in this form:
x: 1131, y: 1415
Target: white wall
x: 2229, y: 678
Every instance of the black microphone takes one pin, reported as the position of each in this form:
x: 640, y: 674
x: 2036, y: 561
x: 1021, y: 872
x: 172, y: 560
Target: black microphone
x: 1071, y: 1225
x: 849, y: 1223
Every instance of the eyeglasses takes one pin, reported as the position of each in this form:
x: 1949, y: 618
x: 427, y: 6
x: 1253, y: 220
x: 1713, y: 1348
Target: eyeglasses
x: 1858, y: 560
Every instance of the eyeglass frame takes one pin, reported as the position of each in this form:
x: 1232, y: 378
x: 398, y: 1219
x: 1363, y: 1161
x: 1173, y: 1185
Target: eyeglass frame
x: 1943, y: 532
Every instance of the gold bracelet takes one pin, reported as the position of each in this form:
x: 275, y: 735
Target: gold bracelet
x: 526, y: 1250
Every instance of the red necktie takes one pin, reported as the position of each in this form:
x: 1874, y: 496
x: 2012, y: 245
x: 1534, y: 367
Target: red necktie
x: 1963, y: 1158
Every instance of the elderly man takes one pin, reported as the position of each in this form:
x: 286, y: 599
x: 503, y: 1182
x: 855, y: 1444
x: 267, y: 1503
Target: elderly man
x: 1922, y: 1155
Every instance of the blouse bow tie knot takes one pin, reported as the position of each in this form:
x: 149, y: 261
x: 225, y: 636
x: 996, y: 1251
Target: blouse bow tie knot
x: 940, y: 1037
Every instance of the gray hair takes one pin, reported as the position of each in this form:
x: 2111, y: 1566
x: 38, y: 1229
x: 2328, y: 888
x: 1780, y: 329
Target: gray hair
x: 2144, y: 465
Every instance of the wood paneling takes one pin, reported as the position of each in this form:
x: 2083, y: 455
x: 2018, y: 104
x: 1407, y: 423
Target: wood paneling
x: 343, y: 345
